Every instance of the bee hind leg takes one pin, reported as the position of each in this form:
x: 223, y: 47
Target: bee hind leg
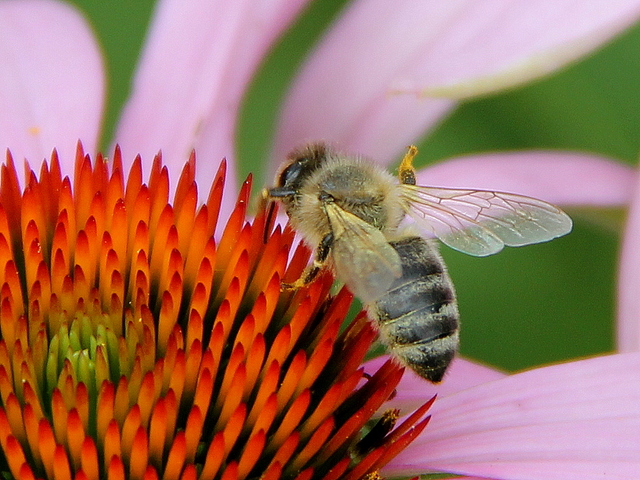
x: 311, y: 272
x: 406, y: 172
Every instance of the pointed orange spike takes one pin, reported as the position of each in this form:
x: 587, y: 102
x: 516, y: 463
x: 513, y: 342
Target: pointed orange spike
x: 75, y: 436
x: 235, y: 360
x: 197, y: 236
x: 266, y: 415
x: 14, y: 417
x: 315, y: 443
x: 286, y: 450
x: 83, y: 189
x: 112, y: 448
x: 409, y: 422
x: 31, y: 429
x: 302, y: 314
x: 280, y: 347
x: 178, y: 375
x: 104, y: 410
x: 15, y: 456
x: 139, y: 454
x: 187, y: 177
x: 230, y: 472
x: 115, y: 468
x: 234, y: 282
x: 189, y: 473
x: 204, y: 390
x: 251, y: 454
x: 176, y: 457
x: 59, y: 416
x: 121, y: 239
x: 89, y: 459
x: 134, y: 182
x: 146, y: 398
x: 215, y: 195
x: 193, y: 432
x: 121, y: 403
x: 185, y: 215
x: 233, y: 396
x: 114, y: 195
x: 157, y: 432
x: 291, y: 378
x: 194, y: 328
x: 229, y: 239
x: 291, y: 420
x: 325, y: 407
x: 245, y: 333
x: 161, y: 238
x: 268, y: 385
x: 10, y: 199
x: 194, y: 359
x: 138, y: 212
x: 33, y: 217
x: 266, y: 303
x: 371, y: 403
x: 97, y: 214
x: 12, y: 281
x: 215, y: 456
x: 319, y: 358
x: 46, y: 446
x: 44, y: 279
x: 337, y: 471
x: 233, y: 428
x: 255, y: 357
x: 8, y: 321
x: 25, y: 472
x: 272, y: 472
x: 400, y: 444
x: 159, y: 188
x: 61, y: 468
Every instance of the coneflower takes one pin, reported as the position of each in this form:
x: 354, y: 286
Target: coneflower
x: 136, y: 345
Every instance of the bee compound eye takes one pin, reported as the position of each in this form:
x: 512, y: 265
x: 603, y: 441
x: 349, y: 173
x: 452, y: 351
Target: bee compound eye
x: 290, y: 174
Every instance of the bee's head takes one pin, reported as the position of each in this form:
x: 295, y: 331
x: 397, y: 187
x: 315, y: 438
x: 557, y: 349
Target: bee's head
x: 301, y: 163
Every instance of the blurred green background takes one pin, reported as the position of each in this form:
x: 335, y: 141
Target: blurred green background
x: 523, y: 307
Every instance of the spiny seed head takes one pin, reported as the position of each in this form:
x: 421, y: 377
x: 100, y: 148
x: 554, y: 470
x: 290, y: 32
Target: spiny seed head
x: 133, y: 345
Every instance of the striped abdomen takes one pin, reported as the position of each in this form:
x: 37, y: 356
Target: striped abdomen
x: 418, y: 318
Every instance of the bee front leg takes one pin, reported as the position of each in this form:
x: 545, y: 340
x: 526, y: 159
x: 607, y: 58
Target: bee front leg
x: 319, y: 261
x: 406, y: 172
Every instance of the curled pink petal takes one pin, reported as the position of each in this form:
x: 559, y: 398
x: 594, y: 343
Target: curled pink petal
x: 52, y: 81
x: 628, y: 333
x: 364, y: 86
x: 568, y: 179
x: 197, y: 61
x: 568, y: 421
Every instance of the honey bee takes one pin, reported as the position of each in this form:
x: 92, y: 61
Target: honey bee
x: 351, y: 211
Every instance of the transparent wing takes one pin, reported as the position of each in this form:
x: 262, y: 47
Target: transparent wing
x: 480, y: 222
x: 363, y: 258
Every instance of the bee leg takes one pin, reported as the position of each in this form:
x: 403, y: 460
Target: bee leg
x: 319, y: 261
x: 406, y: 172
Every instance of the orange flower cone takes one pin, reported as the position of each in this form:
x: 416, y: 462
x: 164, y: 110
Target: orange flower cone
x: 133, y: 345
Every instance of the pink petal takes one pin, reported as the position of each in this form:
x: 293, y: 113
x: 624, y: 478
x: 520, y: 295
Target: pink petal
x: 413, y: 389
x: 575, y: 420
x: 568, y: 179
x: 51, y: 81
x: 353, y: 89
x: 498, y: 44
x: 197, y: 62
x: 629, y: 279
